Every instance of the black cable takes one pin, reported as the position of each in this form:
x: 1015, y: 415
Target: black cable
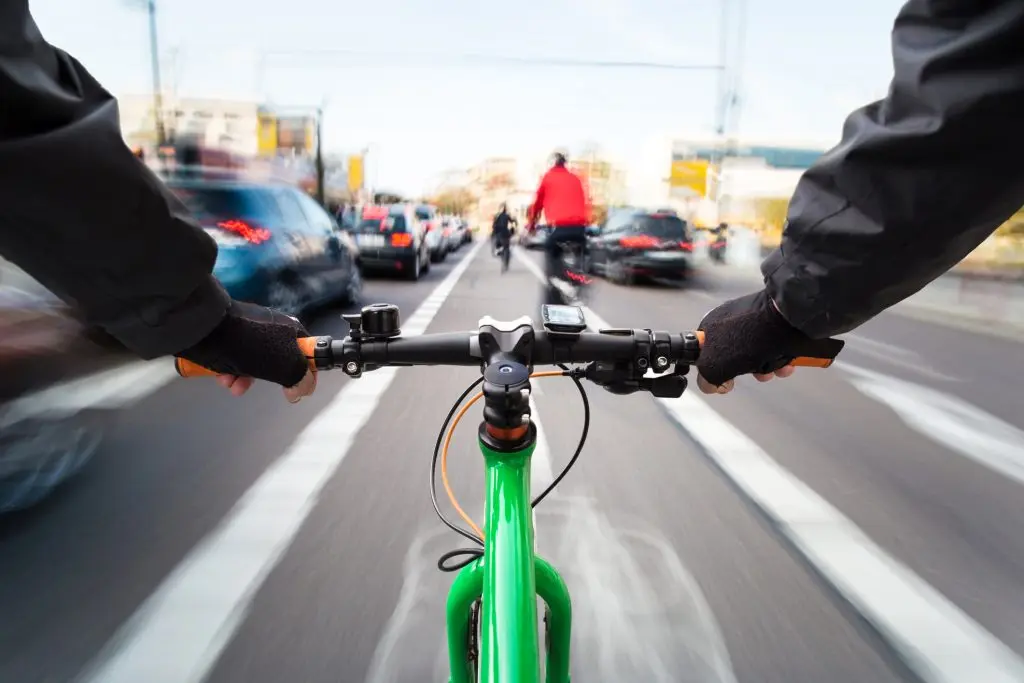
x: 433, y: 470
x: 583, y: 437
x: 470, y: 554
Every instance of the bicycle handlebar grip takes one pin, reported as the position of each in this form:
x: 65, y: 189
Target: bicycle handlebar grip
x: 188, y: 369
x: 815, y: 353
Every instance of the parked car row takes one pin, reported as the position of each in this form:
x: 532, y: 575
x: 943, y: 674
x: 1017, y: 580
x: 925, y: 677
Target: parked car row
x: 407, y: 238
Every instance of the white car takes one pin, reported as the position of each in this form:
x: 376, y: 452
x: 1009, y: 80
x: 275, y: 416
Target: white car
x: 436, y: 242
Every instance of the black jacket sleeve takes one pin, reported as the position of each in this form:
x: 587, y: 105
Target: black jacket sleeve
x: 919, y: 179
x: 81, y: 214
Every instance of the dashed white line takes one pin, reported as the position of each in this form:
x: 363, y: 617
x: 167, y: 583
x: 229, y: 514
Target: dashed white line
x: 935, y: 639
x: 177, y: 635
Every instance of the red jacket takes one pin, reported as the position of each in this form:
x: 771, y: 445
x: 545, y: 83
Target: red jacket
x: 562, y: 199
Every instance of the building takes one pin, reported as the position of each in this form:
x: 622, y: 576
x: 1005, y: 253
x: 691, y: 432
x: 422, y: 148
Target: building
x: 747, y: 173
x: 605, y: 182
x: 492, y: 181
x: 223, y: 124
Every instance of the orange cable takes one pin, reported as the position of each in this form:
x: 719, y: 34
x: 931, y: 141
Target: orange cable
x: 448, y: 439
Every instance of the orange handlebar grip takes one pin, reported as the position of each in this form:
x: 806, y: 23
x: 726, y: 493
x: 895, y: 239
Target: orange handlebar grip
x: 187, y: 368
x: 800, y: 361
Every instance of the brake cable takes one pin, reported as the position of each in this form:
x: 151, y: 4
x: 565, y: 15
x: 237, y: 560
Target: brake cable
x: 445, y: 435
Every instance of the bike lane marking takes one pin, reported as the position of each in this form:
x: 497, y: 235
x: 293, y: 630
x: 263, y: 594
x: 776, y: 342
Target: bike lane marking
x: 178, y: 634
x: 931, y: 635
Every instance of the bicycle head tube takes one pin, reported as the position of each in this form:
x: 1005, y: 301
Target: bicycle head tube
x: 506, y: 350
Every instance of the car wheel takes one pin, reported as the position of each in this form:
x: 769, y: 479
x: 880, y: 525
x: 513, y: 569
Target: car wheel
x: 618, y: 274
x: 414, y: 272
x: 354, y: 290
x: 286, y: 297
x: 37, y: 456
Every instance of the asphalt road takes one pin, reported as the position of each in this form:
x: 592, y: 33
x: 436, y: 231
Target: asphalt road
x: 250, y: 540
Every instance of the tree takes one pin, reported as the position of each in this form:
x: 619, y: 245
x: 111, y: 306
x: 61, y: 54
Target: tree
x: 456, y: 200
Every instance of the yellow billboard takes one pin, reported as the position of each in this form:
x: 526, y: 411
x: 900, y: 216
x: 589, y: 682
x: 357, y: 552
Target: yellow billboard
x: 291, y: 134
x: 691, y: 174
x: 355, y: 172
x: 266, y: 135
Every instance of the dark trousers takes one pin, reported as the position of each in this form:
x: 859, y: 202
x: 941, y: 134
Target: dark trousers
x: 560, y: 237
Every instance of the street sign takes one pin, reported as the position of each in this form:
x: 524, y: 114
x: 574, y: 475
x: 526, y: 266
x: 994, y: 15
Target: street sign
x: 355, y: 172
x: 689, y: 174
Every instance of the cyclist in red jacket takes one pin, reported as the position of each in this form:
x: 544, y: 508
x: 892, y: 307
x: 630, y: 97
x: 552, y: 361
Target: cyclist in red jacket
x: 563, y: 199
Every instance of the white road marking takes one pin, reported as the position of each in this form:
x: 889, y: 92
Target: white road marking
x: 114, y: 388
x: 177, y: 635
x: 895, y: 355
x: 948, y: 420
x: 934, y: 638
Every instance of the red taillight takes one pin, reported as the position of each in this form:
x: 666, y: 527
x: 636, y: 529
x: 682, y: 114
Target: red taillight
x: 638, y: 242
x: 447, y: 232
x: 686, y: 246
x: 247, y: 231
x: 401, y: 239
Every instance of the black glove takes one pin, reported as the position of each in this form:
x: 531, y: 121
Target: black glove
x: 253, y: 341
x: 749, y: 335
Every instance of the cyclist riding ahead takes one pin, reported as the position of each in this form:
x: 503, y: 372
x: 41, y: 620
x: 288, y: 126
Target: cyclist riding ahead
x: 563, y: 200
x: 501, y: 235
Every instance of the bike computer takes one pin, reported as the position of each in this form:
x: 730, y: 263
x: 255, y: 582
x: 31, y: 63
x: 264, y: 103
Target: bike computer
x: 563, y: 319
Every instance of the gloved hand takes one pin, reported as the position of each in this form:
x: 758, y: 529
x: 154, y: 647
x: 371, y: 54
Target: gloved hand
x: 255, y: 342
x: 748, y: 335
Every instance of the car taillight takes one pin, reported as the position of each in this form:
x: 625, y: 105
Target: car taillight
x: 247, y: 231
x: 686, y: 246
x: 638, y: 242
x: 446, y: 232
x: 401, y: 239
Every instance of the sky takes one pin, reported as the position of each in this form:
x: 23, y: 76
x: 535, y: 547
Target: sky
x: 391, y: 85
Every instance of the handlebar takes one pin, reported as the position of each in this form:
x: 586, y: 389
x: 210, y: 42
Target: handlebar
x: 619, y: 358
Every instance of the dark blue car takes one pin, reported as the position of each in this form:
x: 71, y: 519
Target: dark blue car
x: 276, y: 245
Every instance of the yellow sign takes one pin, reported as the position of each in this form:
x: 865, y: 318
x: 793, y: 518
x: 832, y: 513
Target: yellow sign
x: 691, y: 174
x: 266, y: 135
x: 355, y: 172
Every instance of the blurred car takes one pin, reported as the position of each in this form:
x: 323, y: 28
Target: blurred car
x: 393, y: 238
x: 436, y: 243
x: 467, y: 231
x: 453, y: 233
x: 642, y: 244
x: 275, y: 245
x: 537, y: 239
x: 43, y: 344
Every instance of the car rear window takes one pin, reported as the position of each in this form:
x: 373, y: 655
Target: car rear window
x: 217, y: 203
x: 663, y: 226
x: 423, y: 214
x: 391, y: 223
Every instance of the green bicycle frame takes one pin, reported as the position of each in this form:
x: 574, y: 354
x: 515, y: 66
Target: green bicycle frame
x: 509, y: 578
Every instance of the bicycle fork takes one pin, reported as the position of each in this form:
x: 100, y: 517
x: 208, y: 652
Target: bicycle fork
x: 507, y: 581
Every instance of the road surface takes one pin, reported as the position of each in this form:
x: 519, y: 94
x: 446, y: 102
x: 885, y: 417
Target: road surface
x: 851, y: 525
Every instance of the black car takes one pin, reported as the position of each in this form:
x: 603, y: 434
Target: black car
x: 636, y: 244
x: 47, y: 434
x: 275, y: 245
x: 393, y: 238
